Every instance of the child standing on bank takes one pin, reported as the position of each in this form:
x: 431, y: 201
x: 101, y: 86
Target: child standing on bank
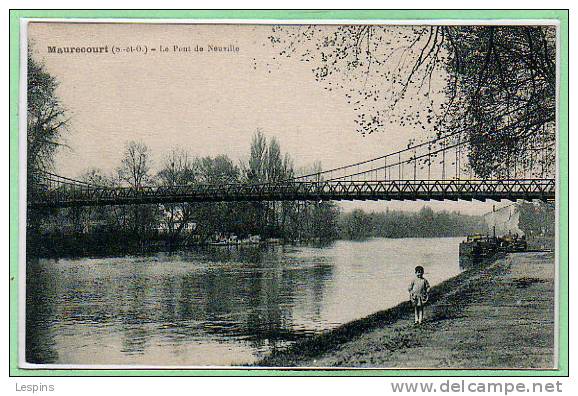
x: 419, y: 293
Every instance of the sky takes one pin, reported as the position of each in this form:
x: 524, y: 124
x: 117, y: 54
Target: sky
x: 206, y: 103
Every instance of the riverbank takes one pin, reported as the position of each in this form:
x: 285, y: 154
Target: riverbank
x: 111, y: 245
x: 498, y: 316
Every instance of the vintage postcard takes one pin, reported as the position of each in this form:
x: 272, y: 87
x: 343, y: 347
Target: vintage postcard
x: 304, y: 194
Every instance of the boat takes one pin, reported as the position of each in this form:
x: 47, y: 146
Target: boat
x: 478, y: 246
x: 511, y: 243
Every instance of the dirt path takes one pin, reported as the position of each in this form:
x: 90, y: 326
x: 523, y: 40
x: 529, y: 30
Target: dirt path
x: 501, y: 316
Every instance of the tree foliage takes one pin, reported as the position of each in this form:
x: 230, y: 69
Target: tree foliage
x: 425, y: 223
x: 46, y: 120
x: 492, y: 86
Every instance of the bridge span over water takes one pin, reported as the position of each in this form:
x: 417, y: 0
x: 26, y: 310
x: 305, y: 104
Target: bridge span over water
x: 434, y: 170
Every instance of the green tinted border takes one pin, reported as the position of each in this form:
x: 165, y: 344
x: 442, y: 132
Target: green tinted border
x: 558, y: 15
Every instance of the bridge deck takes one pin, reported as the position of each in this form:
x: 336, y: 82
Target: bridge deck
x: 527, y: 189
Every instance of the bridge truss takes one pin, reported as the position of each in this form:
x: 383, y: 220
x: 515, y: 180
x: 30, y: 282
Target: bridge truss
x: 433, y: 170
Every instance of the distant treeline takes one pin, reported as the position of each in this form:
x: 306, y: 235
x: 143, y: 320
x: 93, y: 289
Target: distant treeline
x: 399, y: 224
x: 115, y: 230
x: 300, y: 222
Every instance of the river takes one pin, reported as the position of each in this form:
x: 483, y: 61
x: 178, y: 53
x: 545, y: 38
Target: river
x: 218, y: 306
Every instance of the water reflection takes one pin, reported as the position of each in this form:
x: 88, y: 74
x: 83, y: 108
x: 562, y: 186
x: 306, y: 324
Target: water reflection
x: 40, y: 313
x: 216, y: 306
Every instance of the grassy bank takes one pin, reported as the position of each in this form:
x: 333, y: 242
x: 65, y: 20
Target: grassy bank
x: 500, y: 315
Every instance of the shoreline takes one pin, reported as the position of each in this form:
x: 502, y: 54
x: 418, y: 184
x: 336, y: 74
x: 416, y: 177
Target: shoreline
x: 536, y: 244
x: 455, y: 317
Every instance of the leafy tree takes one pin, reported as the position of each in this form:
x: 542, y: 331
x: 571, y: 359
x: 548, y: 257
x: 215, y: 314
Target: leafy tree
x: 218, y: 170
x: 217, y: 217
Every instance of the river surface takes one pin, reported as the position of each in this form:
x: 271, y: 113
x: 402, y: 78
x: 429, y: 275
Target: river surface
x: 218, y: 306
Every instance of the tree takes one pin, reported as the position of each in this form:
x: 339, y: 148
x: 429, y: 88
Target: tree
x: 491, y: 86
x: 46, y: 120
x: 218, y: 217
x: 135, y: 164
x: 274, y: 162
x: 218, y: 170
x: 502, y: 90
x: 96, y: 214
x: 134, y: 170
x: 177, y: 170
x: 267, y: 164
x: 255, y: 171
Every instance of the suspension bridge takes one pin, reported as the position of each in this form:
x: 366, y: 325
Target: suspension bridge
x: 434, y: 170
